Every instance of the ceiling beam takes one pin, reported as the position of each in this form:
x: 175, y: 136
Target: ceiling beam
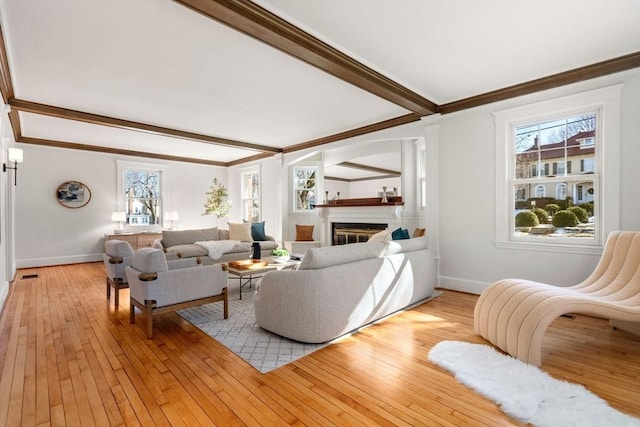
x: 95, y: 148
x: 96, y: 119
x: 369, y: 168
x: 385, y: 124
x: 592, y: 71
x: 257, y: 22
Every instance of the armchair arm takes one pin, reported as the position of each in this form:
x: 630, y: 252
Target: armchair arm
x: 115, y: 266
x: 176, y: 286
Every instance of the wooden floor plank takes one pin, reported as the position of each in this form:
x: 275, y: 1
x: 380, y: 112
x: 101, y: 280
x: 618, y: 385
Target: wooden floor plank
x: 69, y: 357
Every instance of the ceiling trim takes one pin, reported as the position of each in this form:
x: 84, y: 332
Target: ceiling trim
x: 85, y: 147
x: 369, y: 168
x: 96, y: 119
x: 366, y: 178
x: 599, y: 69
x: 385, y: 124
x: 259, y: 23
x: 6, y: 87
x: 253, y: 158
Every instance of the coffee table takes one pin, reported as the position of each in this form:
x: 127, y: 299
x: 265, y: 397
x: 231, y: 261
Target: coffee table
x: 247, y: 275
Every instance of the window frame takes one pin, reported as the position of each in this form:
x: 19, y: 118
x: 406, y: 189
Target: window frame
x: 255, y: 170
x: 122, y: 167
x: 605, y: 102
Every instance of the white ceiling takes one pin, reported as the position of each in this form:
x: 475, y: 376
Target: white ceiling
x: 160, y: 63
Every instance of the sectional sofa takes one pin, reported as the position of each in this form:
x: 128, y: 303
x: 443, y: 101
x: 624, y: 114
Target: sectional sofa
x: 337, y: 289
x: 211, y: 240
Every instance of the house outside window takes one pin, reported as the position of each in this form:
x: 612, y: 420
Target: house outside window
x: 305, y: 187
x: 140, y: 194
x: 251, y: 195
x: 561, y: 142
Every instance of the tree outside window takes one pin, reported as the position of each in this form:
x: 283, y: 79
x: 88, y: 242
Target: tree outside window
x: 143, y: 196
x: 305, y: 187
x: 251, y: 196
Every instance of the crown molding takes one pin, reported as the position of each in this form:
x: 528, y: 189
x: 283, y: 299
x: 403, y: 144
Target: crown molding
x: 108, y: 150
x: 592, y: 71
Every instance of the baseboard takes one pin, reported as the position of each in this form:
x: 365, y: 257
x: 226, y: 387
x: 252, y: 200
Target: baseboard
x: 43, y: 262
x: 462, y: 285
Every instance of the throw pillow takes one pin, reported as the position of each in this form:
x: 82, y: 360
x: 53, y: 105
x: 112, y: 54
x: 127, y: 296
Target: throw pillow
x: 381, y: 236
x: 400, y: 234
x: 240, y: 231
x: 257, y: 231
x: 419, y: 232
x: 304, y: 233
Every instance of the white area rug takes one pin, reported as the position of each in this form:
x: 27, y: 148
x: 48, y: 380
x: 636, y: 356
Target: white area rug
x: 239, y: 333
x: 525, y: 392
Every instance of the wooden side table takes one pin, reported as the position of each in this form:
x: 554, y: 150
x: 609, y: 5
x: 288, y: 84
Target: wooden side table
x: 136, y: 240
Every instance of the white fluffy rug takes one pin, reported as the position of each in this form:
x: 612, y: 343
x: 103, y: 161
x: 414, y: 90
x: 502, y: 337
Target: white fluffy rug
x: 525, y: 392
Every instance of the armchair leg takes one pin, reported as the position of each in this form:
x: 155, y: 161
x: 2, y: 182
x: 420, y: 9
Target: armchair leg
x: 225, y: 292
x: 149, y: 307
x: 132, y: 311
x: 108, y: 289
x: 116, y: 294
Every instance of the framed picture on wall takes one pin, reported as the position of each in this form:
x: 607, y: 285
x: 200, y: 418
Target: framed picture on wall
x: 73, y: 194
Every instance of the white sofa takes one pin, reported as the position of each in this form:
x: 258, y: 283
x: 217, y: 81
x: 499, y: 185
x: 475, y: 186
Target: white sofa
x: 337, y: 289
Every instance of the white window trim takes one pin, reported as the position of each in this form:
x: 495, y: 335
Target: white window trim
x: 154, y: 167
x: 606, y: 101
x: 251, y: 170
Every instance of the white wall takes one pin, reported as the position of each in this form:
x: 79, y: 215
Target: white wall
x: 48, y: 233
x: 469, y: 260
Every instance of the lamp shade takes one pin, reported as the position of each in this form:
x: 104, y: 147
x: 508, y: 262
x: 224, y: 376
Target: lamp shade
x: 118, y: 216
x: 15, y: 155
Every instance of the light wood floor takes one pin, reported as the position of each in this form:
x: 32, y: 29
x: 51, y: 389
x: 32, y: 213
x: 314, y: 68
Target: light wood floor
x: 67, y: 357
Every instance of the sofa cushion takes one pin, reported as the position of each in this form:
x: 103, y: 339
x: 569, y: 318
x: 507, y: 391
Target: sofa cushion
x: 240, y: 231
x: 188, y: 251
x: 304, y: 233
x: 419, y: 232
x: 381, y: 236
x: 405, y: 245
x: 185, y: 237
x: 400, y: 233
x: 327, y: 256
x: 149, y: 260
x: 118, y: 248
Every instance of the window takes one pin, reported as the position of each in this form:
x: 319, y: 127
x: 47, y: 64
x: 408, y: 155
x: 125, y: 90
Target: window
x: 304, y: 187
x: 536, y: 147
x: 140, y: 190
x: 251, y: 195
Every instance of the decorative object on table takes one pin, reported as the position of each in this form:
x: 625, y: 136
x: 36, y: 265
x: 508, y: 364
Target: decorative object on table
x: 384, y: 195
x: 118, y: 217
x: 395, y: 191
x: 73, y: 194
x: 256, y: 250
x: 247, y: 264
x: 217, y: 202
x: 280, y: 255
x: 326, y: 197
x: 523, y: 391
x: 338, y: 195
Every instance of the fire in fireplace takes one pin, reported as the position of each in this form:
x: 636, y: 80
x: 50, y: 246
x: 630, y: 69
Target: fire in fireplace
x: 353, y: 232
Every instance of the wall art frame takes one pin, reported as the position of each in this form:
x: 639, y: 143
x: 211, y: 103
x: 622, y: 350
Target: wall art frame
x: 73, y: 194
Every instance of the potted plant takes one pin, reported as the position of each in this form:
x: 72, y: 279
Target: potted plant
x: 217, y: 202
x: 280, y: 255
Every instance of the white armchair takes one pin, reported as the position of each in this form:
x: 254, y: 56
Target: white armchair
x: 157, y: 286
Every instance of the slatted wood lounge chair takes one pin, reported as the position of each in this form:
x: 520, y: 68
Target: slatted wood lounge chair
x: 514, y: 314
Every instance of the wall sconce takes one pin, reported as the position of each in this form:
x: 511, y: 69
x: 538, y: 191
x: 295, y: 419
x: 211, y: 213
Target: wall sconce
x: 14, y: 155
x: 118, y: 217
x: 171, y: 217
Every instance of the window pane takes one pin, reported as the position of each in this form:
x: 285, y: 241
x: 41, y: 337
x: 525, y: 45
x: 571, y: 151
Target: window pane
x: 544, y: 206
x: 304, y: 188
x: 142, y: 197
